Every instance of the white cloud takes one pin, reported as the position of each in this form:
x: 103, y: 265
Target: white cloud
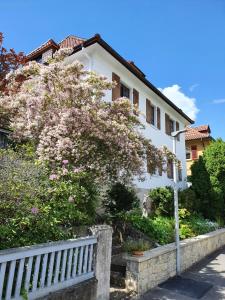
x: 219, y: 101
x: 193, y: 87
x: 187, y: 104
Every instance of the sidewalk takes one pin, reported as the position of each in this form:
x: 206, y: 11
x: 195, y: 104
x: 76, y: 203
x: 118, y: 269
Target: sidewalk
x: 211, y: 271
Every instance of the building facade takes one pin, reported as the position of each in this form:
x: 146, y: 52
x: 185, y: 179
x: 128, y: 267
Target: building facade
x: 197, y: 139
x: 159, y: 114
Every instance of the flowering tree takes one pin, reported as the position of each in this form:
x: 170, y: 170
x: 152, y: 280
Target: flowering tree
x: 9, y: 60
x: 61, y: 108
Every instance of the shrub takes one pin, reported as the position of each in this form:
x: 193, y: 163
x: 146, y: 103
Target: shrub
x: 159, y: 229
x: 162, y: 229
x: 187, y: 199
x: 200, y: 225
x: 120, y: 198
x: 207, y: 202
x: 139, y: 245
x: 162, y: 201
x: 35, y: 209
x: 186, y: 231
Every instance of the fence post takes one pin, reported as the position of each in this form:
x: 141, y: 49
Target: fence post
x: 103, y: 259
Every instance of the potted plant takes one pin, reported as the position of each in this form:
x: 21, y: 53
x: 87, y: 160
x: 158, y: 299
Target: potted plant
x: 136, y: 248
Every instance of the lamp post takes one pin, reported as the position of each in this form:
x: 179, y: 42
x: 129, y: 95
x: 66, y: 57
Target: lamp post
x: 175, y: 134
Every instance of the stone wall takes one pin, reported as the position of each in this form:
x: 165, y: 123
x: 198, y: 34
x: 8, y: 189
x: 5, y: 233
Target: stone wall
x: 82, y: 291
x: 159, y: 264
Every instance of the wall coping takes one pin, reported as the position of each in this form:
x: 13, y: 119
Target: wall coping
x: 171, y: 247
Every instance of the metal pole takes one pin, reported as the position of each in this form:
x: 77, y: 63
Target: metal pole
x: 176, y: 215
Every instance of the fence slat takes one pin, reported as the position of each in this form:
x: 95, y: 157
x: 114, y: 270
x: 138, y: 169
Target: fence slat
x: 90, y: 258
x: 36, y: 273
x: 69, y: 265
x: 85, y: 259
x: 80, y: 260
x: 19, y: 277
x: 28, y: 274
x: 75, y: 262
x: 56, y: 275
x: 50, y: 270
x: 63, y: 270
x: 43, y: 270
x: 10, y: 280
x: 2, y: 276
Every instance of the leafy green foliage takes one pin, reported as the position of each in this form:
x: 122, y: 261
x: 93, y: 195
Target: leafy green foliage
x: 35, y: 209
x: 161, y: 229
x: 208, y: 181
x: 162, y: 201
x: 138, y: 245
x: 120, y: 198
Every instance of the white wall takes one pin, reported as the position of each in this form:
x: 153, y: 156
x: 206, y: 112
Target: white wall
x: 99, y: 60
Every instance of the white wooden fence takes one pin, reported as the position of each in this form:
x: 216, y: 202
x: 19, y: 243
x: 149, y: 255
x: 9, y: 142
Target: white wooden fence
x: 37, y: 270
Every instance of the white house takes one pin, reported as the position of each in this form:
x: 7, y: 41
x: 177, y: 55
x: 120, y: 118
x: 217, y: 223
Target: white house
x: 161, y: 116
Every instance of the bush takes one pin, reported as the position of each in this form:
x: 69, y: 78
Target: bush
x: 200, y: 225
x: 139, y: 245
x: 159, y: 229
x: 187, y: 199
x: 207, y: 202
x: 35, y: 209
x: 120, y: 198
x: 162, y: 201
x: 162, y: 229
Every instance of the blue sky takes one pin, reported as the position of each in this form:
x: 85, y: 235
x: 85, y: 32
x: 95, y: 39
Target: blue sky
x: 179, y: 44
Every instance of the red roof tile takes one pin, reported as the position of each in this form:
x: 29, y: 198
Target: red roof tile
x: 71, y: 41
x: 50, y: 43
x: 199, y: 132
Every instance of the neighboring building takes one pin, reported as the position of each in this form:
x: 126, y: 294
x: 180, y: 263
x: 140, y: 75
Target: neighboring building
x: 197, y: 139
x: 161, y: 115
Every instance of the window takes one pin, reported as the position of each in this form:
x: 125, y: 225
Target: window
x: 158, y: 118
x: 124, y: 91
x: 172, y: 129
x: 169, y: 125
x: 188, y: 153
x: 194, y: 153
x: 152, y: 115
x: 170, y: 168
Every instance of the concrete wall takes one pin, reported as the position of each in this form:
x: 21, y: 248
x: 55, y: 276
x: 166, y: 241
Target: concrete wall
x: 159, y: 264
x: 82, y: 291
x: 103, y: 260
x: 95, y: 58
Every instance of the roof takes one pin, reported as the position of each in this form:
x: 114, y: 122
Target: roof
x: 198, y: 133
x: 79, y: 43
x: 71, y: 41
x: 45, y: 46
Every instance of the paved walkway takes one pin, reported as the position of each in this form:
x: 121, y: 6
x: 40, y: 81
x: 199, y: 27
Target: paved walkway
x: 211, y: 270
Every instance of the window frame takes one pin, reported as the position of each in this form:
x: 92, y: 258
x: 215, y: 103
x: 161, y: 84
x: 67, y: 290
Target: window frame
x: 122, y: 84
x: 194, y: 149
x: 188, y: 151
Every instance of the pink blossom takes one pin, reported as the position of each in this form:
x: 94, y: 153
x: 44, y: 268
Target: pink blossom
x: 34, y: 210
x: 62, y: 108
x: 65, y: 161
x: 53, y: 177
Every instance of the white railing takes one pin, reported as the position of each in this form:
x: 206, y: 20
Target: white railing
x: 37, y: 270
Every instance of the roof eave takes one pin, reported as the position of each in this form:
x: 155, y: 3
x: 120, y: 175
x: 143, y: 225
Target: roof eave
x: 97, y: 39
